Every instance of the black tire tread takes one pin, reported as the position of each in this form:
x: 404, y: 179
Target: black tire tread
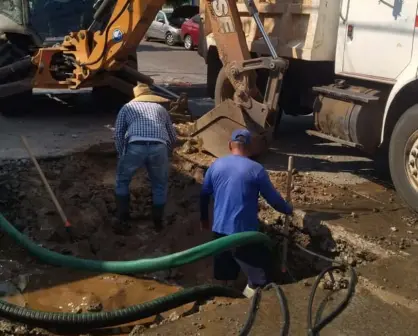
x: 406, y: 125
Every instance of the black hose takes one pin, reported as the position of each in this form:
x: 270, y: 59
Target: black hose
x: 284, y: 330
x: 116, y: 317
x: 251, y: 314
x: 103, y: 9
x: 24, y: 64
x: 319, y: 323
x: 314, y: 330
x: 106, y: 37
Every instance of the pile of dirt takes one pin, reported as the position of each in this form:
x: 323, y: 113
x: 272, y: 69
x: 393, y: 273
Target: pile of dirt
x: 84, y: 185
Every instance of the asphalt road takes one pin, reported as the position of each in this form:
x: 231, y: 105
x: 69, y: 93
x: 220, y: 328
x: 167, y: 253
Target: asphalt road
x: 56, y: 127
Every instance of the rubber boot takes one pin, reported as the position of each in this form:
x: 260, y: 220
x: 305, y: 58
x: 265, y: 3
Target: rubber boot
x: 122, y: 205
x: 157, y: 216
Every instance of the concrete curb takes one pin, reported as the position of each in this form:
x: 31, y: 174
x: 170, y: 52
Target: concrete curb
x: 320, y: 228
x: 317, y: 227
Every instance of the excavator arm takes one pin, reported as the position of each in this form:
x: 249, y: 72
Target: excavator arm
x: 238, y: 101
x: 94, y: 55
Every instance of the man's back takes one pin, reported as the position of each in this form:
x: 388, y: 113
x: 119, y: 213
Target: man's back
x: 235, y: 189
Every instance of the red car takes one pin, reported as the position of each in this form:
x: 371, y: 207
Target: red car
x: 190, y: 32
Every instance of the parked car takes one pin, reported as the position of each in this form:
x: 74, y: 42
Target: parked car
x: 167, y: 26
x: 190, y: 30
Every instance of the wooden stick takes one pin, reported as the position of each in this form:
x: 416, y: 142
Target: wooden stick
x: 287, y: 219
x: 46, y: 184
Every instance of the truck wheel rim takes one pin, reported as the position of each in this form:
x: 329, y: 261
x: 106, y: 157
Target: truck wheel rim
x: 188, y: 42
x: 411, y: 156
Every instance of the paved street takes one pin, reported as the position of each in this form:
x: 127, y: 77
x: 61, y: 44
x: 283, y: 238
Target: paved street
x: 371, y: 217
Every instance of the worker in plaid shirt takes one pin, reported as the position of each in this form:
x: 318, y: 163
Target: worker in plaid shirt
x: 144, y: 136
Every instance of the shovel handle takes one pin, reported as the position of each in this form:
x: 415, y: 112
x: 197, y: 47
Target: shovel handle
x: 46, y: 184
x: 287, y: 219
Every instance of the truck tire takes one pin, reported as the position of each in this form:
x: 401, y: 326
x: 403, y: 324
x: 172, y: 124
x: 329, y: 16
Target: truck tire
x: 403, y: 157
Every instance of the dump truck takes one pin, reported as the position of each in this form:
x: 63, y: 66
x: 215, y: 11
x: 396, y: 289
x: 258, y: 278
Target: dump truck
x: 351, y: 63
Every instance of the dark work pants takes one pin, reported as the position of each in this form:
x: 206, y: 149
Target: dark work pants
x: 254, y: 260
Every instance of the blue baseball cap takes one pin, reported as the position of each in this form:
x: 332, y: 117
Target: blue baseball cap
x: 241, y: 135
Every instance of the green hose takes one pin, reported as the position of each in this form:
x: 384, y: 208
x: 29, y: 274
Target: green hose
x: 135, y: 266
x: 116, y: 317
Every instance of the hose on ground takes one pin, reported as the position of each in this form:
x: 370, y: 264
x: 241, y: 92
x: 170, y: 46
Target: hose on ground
x: 159, y: 305
x: 134, y: 266
x: 313, y: 330
x: 115, y: 317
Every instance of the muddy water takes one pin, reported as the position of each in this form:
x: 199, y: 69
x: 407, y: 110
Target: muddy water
x: 82, y: 292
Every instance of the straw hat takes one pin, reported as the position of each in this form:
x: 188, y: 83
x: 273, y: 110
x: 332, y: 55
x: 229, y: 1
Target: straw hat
x: 143, y: 93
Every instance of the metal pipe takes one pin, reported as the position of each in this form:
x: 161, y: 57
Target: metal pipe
x: 169, y: 92
x: 252, y: 9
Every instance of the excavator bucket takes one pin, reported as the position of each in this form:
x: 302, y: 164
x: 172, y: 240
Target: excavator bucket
x: 213, y: 130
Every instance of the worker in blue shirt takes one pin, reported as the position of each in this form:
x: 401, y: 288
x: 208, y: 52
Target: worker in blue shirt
x: 235, y: 182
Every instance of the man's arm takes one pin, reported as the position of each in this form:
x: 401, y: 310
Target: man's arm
x: 120, y: 130
x: 171, y: 132
x: 205, y: 193
x: 271, y: 195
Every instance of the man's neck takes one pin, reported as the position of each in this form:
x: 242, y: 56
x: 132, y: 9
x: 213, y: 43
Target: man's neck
x: 237, y: 152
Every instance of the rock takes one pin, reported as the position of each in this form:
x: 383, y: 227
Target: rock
x: 6, y: 327
x: 394, y: 229
x: 77, y: 310
x: 188, y: 148
x: 354, y: 215
x: 137, y: 330
x: 95, y: 307
x: 174, y: 316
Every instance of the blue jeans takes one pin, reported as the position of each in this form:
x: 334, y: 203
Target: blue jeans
x: 155, y: 158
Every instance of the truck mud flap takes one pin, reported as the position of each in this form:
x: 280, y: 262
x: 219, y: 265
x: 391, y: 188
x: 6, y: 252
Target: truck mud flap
x: 213, y: 130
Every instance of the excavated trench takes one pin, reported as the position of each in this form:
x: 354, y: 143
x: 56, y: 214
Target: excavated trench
x: 83, y: 183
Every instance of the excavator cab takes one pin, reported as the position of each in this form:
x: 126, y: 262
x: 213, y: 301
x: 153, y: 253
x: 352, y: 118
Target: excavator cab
x: 40, y: 21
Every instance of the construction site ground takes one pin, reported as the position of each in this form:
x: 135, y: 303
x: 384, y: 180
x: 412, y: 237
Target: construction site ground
x: 345, y: 209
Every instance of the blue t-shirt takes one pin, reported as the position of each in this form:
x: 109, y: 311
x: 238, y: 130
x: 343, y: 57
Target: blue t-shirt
x: 235, y: 182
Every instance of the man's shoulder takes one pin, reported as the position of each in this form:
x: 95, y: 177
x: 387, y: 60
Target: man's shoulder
x: 136, y: 105
x: 234, y: 160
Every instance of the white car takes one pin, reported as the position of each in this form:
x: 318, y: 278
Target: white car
x: 167, y: 26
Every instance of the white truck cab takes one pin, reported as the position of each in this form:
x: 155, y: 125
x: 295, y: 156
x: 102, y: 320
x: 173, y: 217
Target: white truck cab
x: 354, y: 64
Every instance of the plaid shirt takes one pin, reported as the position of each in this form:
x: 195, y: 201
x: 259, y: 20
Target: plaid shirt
x: 145, y: 120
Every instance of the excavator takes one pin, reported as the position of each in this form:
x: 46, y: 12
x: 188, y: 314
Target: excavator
x: 103, y: 56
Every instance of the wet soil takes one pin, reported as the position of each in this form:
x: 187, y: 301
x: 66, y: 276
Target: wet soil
x: 84, y: 185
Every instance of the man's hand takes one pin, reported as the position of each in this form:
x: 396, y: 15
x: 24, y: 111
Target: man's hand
x: 204, y: 225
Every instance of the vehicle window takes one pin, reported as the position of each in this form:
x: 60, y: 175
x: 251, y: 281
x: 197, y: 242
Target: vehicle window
x: 196, y: 18
x: 13, y: 10
x: 159, y: 17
